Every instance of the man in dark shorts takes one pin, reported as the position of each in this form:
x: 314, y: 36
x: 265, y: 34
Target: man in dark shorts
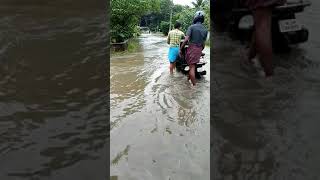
x: 196, y: 36
x: 261, y: 39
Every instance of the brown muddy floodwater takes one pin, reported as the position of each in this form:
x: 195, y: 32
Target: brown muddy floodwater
x: 263, y: 130
x: 53, y: 118
x: 159, y: 125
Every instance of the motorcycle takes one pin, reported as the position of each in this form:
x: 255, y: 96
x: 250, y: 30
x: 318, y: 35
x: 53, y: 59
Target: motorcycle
x: 232, y: 17
x: 182, y: 66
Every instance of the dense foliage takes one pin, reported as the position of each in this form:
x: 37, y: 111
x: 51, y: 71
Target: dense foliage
x: 164, y: 27
x: 183, y: 14
x: 127, y: 15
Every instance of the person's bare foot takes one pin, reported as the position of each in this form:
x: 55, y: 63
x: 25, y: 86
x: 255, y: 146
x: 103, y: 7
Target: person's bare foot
x: 256, y: 62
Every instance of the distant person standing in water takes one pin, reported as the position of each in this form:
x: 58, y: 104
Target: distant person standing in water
x: 174, y: 39
x: 261, y: 42
x: 196, y: 36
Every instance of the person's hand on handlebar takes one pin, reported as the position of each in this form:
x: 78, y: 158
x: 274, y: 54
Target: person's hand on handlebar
x: 186, y: 39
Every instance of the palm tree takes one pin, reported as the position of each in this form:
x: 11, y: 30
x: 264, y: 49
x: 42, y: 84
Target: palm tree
x: 199, y: 4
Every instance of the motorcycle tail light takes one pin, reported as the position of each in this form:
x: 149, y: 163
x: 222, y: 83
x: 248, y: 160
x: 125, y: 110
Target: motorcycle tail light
x: 246, y: 22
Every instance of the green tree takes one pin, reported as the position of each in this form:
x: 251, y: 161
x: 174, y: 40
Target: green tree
x: 165, y: 6
x: 125, y: 16
x: 164, y: 27
x: 185, y: 18
x: 177, y: 8
x: 206, y: 9
x: 154, y: 18
x: 199, y: 4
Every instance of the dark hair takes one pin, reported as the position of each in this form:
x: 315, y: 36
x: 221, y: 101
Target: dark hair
x: 198, y: 19
x: 177, y: 25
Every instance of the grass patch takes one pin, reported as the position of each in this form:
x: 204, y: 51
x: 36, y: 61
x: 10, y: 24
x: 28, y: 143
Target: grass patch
x: 133, y: 46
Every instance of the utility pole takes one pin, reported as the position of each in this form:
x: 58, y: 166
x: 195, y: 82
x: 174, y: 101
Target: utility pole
x: 171, y: 15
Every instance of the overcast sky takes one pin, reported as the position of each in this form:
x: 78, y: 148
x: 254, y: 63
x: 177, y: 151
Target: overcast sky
x: 183, y: 2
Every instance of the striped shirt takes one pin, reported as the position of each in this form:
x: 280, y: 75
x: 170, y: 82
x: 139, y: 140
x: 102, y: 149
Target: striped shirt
x: 174, y: 38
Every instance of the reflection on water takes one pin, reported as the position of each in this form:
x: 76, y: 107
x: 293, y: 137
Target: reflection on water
x: 159, y: 125
x: 264, y: 130
x: 53, y: 102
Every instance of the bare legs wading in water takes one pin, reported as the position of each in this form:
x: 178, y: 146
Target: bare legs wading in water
x: 261, y: 42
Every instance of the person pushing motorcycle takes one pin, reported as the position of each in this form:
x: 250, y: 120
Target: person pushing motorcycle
x: 196, y: 36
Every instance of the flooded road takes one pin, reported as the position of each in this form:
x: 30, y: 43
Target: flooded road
x: 53, y: 118
x: 159, y: 125
x: 263, y: 130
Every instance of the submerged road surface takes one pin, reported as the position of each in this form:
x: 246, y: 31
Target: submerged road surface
x: 159, y: 125
x: 53, y: 118
x: 263, y: 130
